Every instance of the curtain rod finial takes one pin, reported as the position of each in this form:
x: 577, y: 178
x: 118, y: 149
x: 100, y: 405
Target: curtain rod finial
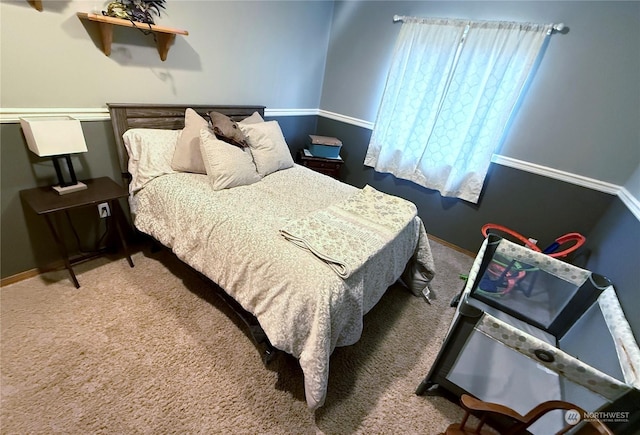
x: 397, y: 18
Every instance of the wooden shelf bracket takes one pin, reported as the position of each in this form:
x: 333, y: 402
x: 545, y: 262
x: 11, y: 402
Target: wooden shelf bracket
x: 164, y: 36
x: 36, y: 4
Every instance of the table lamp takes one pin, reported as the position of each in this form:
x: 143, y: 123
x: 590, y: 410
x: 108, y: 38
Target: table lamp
x: 56, y: 137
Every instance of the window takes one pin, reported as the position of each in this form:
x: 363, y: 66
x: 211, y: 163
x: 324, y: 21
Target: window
x: 451, y: 89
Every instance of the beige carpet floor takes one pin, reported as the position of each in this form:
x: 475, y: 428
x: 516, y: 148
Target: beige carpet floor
x: 154, y: 350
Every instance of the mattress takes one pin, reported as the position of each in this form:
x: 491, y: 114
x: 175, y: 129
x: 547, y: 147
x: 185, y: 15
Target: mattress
x: 232, y: 236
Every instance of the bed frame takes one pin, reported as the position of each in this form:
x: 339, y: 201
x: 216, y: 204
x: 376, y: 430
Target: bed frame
x: 171, y: 116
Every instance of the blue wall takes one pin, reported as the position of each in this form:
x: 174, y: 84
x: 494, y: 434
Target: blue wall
x: 533, y: 205
x: 615, y: 252
x: 578, y: 118
x: 580, y: 113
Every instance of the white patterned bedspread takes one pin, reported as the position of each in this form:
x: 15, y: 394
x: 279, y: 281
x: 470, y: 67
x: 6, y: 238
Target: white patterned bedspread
x: 232, y: 236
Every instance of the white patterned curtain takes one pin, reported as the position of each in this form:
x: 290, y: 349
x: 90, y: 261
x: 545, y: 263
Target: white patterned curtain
x: 449, y: 94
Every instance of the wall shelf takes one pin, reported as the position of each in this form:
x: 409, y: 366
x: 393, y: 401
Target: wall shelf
x: 164, y: 36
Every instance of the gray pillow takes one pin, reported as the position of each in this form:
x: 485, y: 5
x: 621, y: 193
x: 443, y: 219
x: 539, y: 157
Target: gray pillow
x: 227, y: 129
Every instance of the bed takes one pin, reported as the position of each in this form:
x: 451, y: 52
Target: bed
x: 259, y: 239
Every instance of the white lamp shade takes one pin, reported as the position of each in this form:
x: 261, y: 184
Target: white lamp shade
x: 53, y: 136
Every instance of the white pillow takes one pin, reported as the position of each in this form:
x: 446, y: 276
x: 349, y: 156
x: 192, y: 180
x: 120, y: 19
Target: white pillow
x: 150, y: 154
x: 268, y: 146
x: 254, y: 118
x: 227, y: 165
x: 187, y: 156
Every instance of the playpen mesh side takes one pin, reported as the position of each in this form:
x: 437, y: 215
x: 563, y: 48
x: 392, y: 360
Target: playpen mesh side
x: 562, y: 363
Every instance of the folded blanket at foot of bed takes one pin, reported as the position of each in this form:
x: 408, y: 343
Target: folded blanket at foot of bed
x: 347, y: 234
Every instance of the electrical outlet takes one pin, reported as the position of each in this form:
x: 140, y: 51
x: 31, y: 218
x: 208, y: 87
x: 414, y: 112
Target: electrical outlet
x: 103, y: 210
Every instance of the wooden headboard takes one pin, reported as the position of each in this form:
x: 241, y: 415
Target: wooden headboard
x: 165, y: 116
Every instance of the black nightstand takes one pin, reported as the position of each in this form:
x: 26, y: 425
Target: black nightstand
x: 330, y: 167
x: 46, y: 202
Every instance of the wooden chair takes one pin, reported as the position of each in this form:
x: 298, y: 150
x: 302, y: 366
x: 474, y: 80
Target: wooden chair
x: 522, y: 422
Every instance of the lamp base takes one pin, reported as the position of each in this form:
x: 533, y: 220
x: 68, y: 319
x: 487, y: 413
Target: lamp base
x: 70, y: 189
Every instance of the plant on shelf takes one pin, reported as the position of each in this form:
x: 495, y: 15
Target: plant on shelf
x: 140, y: 11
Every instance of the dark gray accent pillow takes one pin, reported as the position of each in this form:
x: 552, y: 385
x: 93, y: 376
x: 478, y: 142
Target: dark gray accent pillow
x: 226, y: 129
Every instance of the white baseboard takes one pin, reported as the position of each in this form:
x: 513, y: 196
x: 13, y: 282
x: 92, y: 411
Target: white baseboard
x: 557, y: 174
x: 346, y: 119
x: 13, y: 115
x: 632, y: 203
x: 533, y: 168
